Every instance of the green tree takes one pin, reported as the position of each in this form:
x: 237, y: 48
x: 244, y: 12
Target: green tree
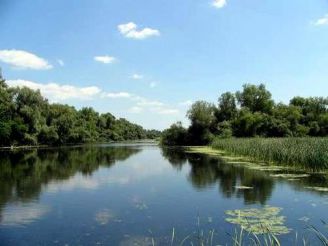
x: 175, y: 135
x: 227, y: 109
x: 255, y: 98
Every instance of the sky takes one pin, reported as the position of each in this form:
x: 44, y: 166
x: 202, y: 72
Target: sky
x: 147, y: 61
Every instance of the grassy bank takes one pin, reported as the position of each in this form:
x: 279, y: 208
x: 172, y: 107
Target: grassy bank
x: 306, y: 153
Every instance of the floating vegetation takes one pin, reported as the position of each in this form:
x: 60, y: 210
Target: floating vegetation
x: 243, y: 187
x: 140, y: 206
x: 290, y: 175
x: 137, y: 241
x: 321, y: 189
x: 270, y: 168
x: 104, y: 216
x: 237, y: 160
x: 205, y: 150
x: 259, y: 221
x: 304, y: 218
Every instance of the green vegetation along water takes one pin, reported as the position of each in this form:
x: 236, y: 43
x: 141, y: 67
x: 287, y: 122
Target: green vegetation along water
x: 141, y: 194
x: 28, y: 119
x: 250, y: 112
x: 306, y: 153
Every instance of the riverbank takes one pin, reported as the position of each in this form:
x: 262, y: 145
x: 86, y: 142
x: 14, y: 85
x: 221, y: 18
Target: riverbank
x: 22, y: 147
x: 297, y: 153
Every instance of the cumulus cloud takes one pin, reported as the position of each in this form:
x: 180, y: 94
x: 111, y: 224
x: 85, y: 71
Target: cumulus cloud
x: 105, y: 59
x: 130, y: 30
x: 186, y: 103
x: 136, y: 76
x: 136, y: 110
x: 24, y: 60
x: 56, y: 92
x: 117, y: 95
x: 321, y: 21
x: 153, y: 106
x: 219, y: 3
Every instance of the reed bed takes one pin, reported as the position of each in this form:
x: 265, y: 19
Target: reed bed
x: 306, y: 153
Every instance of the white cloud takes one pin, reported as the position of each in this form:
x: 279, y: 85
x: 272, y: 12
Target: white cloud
x: 61, y: 62
x: 141, y: 101
x: 23, y: 59
x: 161, y: 110
x: 152, y: 106
x: 136, y: 76
x: 130, y: 30
x: 55, y: 92
x: 136, y: 110
x: 219, y: 3
x: 153, y: 84
x: 105, y: 59
x: 118, y: 95
x: 186, y: 103
x: 322, y: 21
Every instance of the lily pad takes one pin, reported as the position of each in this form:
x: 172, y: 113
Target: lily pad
x: 304, y: 218
x: 104, y: 216
x: 243, y: 187
x: 316, y: 188
x: 141, y: 206
x: 290, y: 175
x: 259, y: 220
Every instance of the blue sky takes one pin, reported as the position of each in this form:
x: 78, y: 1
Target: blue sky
x: 148, y: 60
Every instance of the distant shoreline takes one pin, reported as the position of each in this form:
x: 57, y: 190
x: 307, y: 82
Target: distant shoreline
x: 24, y: 147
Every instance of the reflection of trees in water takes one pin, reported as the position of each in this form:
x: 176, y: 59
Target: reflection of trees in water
x: 23, y: 173
x: 206, y: 171
x: 176, y: 156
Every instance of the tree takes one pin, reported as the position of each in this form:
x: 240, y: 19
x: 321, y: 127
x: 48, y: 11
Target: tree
x: 255, y: 98
x: 175, y: 135
x: 227, y: 109
x: 201, y: 114
x: 203, y: 122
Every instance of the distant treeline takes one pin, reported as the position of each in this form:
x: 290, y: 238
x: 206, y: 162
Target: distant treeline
x: 27, y: 118
x: 250, y: 113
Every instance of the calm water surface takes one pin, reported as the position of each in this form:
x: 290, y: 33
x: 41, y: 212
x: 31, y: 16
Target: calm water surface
x: 130, y: 194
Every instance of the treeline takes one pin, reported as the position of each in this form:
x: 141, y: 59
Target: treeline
x: 27, y: 118
x: 250, y: 113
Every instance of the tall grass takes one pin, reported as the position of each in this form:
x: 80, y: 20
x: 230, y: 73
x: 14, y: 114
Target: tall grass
x: 308, y: 153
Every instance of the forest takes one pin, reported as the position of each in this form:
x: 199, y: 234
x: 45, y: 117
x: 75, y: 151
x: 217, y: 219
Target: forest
x: 27, y: 118
x: 250, y: 112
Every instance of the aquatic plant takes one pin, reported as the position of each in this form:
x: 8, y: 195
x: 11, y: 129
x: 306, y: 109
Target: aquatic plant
x: 259, y: 220
x: 307, y: 153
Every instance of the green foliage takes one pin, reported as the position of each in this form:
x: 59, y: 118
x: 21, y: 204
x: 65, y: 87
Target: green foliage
x: 252, y: 113
x: 203, y: 120
x: 26, y: 118
x: 255, y: 98
x: 308, y: 153
x: 227, y: 108
x: 175, y: 135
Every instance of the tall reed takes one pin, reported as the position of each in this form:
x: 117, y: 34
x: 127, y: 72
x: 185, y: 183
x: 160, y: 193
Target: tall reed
x: 307, y: 153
